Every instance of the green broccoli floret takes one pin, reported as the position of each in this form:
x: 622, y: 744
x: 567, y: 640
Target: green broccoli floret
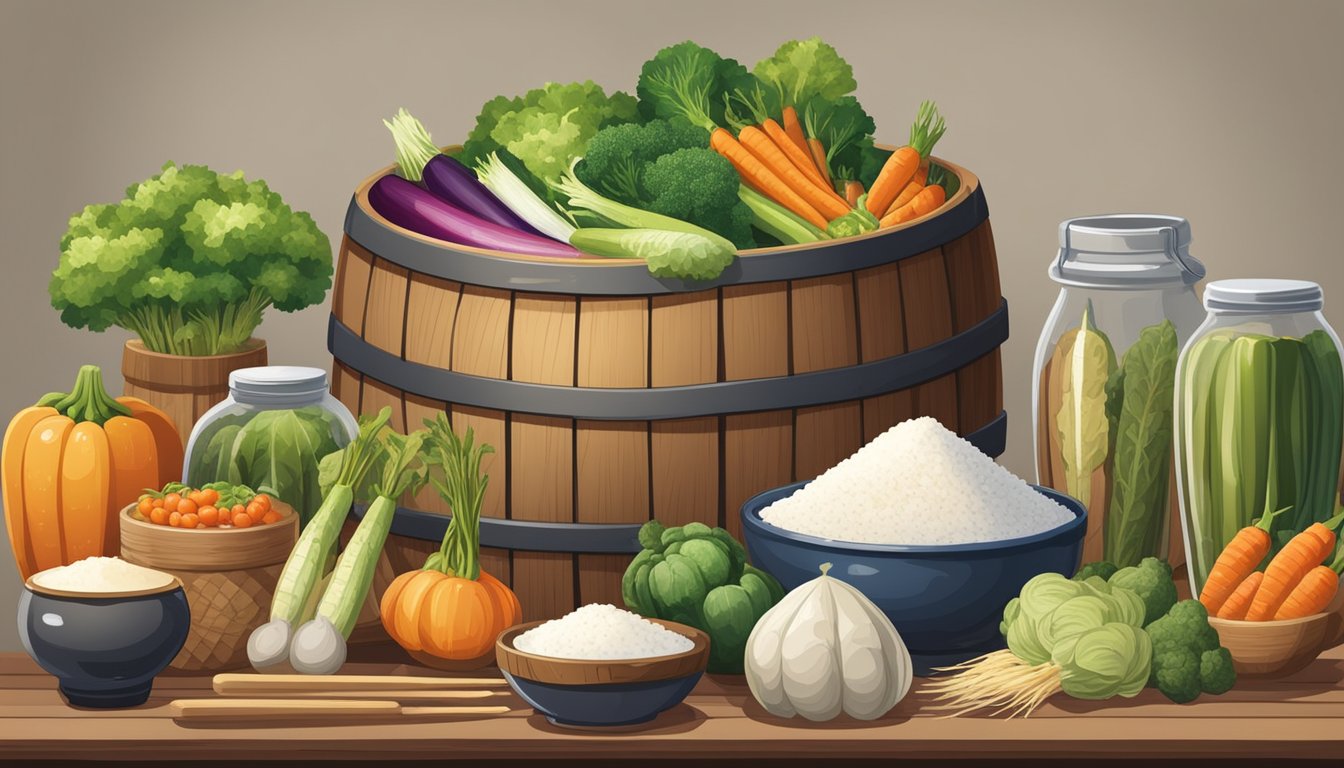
x: 1176, y: 674
x: 1100, y: 568
x: 1187, y: 657
x: 665, y: 166
x: 699, y: 185
x: 1216, y: 674
x: 1151, y: 581
x: 618, y: 156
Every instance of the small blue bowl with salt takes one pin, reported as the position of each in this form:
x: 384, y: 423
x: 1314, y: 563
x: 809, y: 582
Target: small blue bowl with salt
x: 945, y: 600
x: 602, y: 693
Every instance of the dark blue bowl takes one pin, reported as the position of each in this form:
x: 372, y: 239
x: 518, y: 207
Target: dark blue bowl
x: 105, y: 651
x: 602, y: 694
x: 946, y: 601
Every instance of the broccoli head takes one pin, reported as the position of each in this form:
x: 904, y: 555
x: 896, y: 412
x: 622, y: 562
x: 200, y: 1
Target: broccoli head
x: 1100, y: 568
x: 699, y: 185
x: 1216, y: 675
x: 189, y: 260
x: 1187, y: 656
x: 1151, y: 581
x: 665, y: 166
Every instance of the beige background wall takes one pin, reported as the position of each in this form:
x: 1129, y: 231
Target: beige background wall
x: 1229, y: 113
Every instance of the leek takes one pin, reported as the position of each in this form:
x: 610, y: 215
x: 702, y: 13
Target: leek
x: 514, y: 192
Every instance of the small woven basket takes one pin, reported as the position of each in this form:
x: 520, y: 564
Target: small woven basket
x: 228, y: 574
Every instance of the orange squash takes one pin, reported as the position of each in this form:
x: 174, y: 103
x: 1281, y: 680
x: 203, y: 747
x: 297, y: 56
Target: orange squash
x: 452, y: 609
x: 448, y: 616
x: 69, y: 463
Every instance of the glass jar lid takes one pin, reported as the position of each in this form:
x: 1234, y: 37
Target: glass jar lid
x: 1124, y: 250
x: 277, y: 384
x: 1263, y: 296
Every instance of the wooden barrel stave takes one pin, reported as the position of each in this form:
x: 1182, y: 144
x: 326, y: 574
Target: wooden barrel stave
x: 556, y: 469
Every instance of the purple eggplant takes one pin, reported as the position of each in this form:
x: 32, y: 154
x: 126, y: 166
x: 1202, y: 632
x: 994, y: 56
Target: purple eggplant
x: 454, y: 182
x: 408, y: 205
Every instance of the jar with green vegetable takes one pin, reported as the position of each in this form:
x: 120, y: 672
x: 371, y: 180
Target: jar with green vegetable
x: 271, y: 431
x: 1105, y: 372
x: 1259, y: 417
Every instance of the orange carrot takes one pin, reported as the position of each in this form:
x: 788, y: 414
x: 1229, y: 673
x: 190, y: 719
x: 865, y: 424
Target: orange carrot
x: 900, y: 168
x: 758, y: 143
x: 853, y: 191
x: 1236, y: 606
x: 927, y: 201
x: 799, y: 157
x: 1310, y: 597
x: 1234, y: 565
x: 793, y: 128
x: 819, y: 159
x: 916, y: 184
x: 761, y: 178
x: 1304, y: 552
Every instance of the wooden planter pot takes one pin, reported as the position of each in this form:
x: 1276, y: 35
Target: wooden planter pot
x: 612, y: 397
x: 184, y: 387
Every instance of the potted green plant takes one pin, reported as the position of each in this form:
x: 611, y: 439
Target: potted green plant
x: 189, y: 261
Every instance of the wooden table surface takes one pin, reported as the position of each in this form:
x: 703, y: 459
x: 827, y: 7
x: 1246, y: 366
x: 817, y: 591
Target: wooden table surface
x: 1301, y: 716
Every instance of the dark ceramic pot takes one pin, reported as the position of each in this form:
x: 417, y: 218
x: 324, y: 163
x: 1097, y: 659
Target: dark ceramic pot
x: 105, y: 649
x: 945, y: 600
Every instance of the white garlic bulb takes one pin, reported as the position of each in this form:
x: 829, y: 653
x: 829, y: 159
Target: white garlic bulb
x: 826, y: 649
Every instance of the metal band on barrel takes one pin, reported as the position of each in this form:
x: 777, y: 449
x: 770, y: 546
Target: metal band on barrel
x: 604, y: 538
x: 833, y: 385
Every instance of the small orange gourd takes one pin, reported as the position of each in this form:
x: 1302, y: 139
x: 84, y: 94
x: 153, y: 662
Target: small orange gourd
x: 71, y: 461
x: 451, y: 609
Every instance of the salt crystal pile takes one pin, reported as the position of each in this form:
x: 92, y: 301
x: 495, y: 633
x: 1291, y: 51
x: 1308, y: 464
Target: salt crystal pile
x: 917, y: 483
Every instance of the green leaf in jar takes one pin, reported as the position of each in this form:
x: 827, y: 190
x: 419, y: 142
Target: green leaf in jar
x: 1084, y: 431
x: 1136, y: 518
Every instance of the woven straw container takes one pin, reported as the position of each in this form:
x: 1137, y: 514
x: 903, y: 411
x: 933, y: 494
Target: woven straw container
x: 229, y: 575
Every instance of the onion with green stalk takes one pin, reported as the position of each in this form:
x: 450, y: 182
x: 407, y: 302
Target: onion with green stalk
x: 268, y: 646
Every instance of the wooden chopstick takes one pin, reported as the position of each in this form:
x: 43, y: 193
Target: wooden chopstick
x: 316, y: 709
x: 238, y: 684
x: 429, y: 695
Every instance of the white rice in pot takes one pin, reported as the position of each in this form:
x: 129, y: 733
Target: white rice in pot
x: 102, y: 575
x: 917, y: 484
x: 601, y: 632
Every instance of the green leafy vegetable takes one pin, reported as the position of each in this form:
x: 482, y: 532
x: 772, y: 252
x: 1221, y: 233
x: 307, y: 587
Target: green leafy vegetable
x: 189, y: 261
x: 846, y: 131
x: 546, y: 127
x: 1136, y: 520
x: 801, y: 70
x: 1181, y: 639
x: 692, y: 82
x: 698, y: 575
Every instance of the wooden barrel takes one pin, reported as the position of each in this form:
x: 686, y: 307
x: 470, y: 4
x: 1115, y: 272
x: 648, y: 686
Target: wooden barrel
x: 184, y: 387
x: 612, y: 397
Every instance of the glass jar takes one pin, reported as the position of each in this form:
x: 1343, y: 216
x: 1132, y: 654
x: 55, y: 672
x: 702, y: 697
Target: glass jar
x: 1104, y: 373
x: 272, y: 430
x: 1260, y: 414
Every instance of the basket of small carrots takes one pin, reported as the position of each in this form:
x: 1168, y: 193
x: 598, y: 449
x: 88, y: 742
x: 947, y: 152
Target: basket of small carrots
x: 1277, y: 620
x: 227, y: 544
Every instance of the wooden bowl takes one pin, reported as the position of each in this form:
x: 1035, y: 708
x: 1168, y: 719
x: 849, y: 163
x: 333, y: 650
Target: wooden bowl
x: 1278, y: 648
x: 600, y: 694
x: 546, y: 669
x: 166, y: 547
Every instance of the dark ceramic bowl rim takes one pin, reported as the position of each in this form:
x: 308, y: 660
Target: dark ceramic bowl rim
x: 698, y: 637
x: 37, y: 589
x: 751, y: 519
